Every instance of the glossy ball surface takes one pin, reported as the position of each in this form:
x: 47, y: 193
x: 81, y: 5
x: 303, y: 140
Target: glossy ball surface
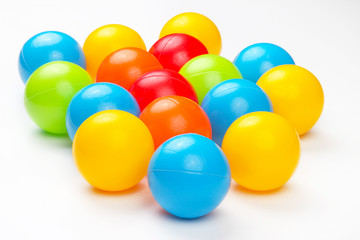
x: 49, y: 91
x: 174, y: 50
x: 196, y: 25
x: 169, y: 116
x: 160, y: 83
x: 189, y: 176
x: 124, y: 66
x: 263, y: 150
x: 48, y: 47
x: 296, y: 94
x: 258, y: 58
x: 112, y: 150
x: 230, y: 100
x: 107, y: 39
x: 206, y: 71
x: 95, y: 98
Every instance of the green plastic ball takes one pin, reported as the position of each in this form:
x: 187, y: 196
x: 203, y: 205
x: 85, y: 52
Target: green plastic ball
x: 49, y: 91
x: 206, y: 71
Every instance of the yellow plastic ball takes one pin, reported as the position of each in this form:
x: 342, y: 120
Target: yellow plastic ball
x: 112, y: 150
x: 263, y: 150
x: 296, y: 94
x: 198, y: 26
x: 105, y: 40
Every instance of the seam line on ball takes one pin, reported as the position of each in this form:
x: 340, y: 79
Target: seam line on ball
x: 26, y: 63
x: 49, y: 90
x: 191, y: 172
x: 162, y: 50
x: 261, y: 91
x: 196, y: 74
x: 149, y: 69
x: 173, y: 78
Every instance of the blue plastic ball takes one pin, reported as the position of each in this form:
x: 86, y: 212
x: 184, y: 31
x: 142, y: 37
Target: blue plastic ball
x: 95, y: 98
x: 258, y: 58
x: 47, y: 47
x: 230, y: 100
x: 189, y: 175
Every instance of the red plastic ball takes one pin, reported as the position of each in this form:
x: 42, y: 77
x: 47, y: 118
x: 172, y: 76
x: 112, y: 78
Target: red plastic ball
x: 160, y: 83
x: 174, y: 50
x: 169, y: 116
x: 124, y: 66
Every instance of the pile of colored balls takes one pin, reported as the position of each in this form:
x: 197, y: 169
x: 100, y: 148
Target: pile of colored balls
x: 178, y: 113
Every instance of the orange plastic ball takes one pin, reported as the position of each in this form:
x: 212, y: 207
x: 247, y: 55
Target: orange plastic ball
x: 124, y: 66
x: 170, y: 116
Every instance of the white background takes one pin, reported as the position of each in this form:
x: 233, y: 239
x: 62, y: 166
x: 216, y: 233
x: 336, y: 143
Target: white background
x: 42, y: 196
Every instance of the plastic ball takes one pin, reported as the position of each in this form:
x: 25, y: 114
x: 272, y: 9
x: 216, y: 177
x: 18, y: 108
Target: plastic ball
x: 230, y: 100
x: 124, y: 66
x: 263, y: 150
x: 160, y: 83
x: 95, y: 98
x: 296, y: 94
x: 189, y: 176
x: 49, y: 91
x: 107, y: 39
x: 112, y: 150
x: 258, y: 58
x: 206, y: 71
x: 196, y: 25
x: 48, y: 47
x: 169, y: 116
x: 174, y: 50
